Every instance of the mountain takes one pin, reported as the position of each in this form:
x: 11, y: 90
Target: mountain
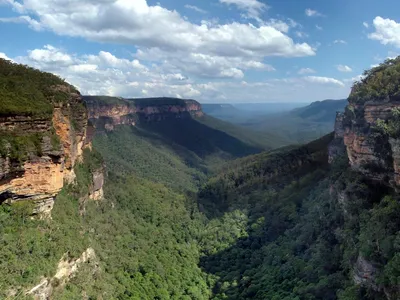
x: 220, y: 110
x: 113, y: 198
x: 321, y: 111
x: 182, y: 122
x: 299, y: 125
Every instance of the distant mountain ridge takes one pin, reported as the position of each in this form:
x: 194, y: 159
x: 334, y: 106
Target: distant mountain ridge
x: 321, y: 111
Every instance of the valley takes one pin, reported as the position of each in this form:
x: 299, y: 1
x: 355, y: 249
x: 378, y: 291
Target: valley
x: 116, y: 198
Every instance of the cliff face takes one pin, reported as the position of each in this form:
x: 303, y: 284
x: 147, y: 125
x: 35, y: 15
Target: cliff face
x: 370, y: 150
x: 109, y: 111
x: 39, y: 152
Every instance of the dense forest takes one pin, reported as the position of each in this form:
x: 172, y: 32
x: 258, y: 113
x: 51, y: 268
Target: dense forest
x: 211, y: 216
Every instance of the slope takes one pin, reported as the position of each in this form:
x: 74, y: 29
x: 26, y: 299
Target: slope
x: 300, y: 125
x: 321, y: 111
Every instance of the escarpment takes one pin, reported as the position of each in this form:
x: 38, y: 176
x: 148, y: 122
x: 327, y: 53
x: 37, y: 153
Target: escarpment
x: 370, y: 125
x: 367, y: 132
x: 42, y: 133
x: 106, y: 112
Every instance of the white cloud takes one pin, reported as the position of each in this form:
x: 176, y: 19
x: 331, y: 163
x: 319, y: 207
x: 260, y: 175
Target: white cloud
x: 301, y: 34
x: 195, y: 8
x: 343, y: 68
x: 144, y: 26
x: 365, y: 24
x: 387, y: 32
x: 202, y: 65
x: 253, y: 8
x: 318, y: 27
x: 278, y: 25
x: 323, y: 80
x: 312, y: 13
x: 4, y: 56
x: 50, y: 55
x: 106, y: 74
x: 303, y: 71
x: 35, y: 25
x: 339, y: 42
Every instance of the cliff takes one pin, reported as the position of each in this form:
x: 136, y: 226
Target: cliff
x: 373, y: 149
x: 39, y: 145
x: 368, y: 132
x: 110, y: 111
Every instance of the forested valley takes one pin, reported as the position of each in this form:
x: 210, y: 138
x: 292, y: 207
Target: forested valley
x: 192, y: 212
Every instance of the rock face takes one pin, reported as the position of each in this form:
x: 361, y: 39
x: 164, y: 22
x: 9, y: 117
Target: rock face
x: 66, y: 270
x: 336, y: 147
x: 365, y: 273
x: 106, y: 112
x: 374, y: 154
x: 96, y: 191
x: 39, y: 173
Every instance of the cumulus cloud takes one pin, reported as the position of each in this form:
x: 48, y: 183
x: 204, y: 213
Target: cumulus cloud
x: 312, y: 13
x: 387, y: 31
x: 343, y: 68
x: 318, y: 27
x: 203, y: 65
x: 323, y: 80
x: 146, y: 26
x: 253, y: 8
x: 4, y: 56
x: 365, y: 24
x: 306, y: 71
x: 23, y: 20
x: 339, y: 42
x: 195, y: 8
x: 106, y: 74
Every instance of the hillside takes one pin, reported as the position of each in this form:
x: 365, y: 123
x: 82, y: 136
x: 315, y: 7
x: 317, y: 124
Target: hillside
x: 198, y: 132
x: 302, y: 124
x: 321, y: 111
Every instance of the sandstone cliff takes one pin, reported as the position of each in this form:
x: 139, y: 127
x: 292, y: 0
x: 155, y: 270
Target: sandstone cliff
x: 368, y: 133
x: 371, y: 151
x: 39, y: 144
x: 106, y: 112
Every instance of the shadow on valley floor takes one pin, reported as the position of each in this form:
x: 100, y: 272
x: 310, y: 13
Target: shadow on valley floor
x: 200, y: 138
x: 285, y: 249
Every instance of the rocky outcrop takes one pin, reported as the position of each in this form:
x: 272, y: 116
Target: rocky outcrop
x: 369, y: 150
x: 336, y: 147
x: 96, y: 191
x: 66, y: 270
x: 39, y: 153
x: 106, y: 112
x: 365, y: 274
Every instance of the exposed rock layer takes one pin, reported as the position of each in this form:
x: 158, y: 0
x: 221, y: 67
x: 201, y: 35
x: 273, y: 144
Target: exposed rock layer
x: 370, y: 152
x: 108, y: 112
x: 39, y: 175
x: 66, y: 270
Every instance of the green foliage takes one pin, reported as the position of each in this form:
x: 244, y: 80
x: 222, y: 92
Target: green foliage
x: 262, y: 140
x: 18, y: 146
x: 266, y: 226
x: 391, y: 127
x: 379, y: 83
x: 130, y: 150
x: 26, y: 91
x: 32, y: 248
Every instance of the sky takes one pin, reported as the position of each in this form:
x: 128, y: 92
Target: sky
x: 214, y: 51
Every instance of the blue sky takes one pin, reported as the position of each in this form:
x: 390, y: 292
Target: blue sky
x: 212, y: 51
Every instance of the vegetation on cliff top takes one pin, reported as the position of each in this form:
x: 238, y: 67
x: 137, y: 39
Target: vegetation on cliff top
x: 108, y: 100
x: 379, y: 83
x: 27, y: 91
